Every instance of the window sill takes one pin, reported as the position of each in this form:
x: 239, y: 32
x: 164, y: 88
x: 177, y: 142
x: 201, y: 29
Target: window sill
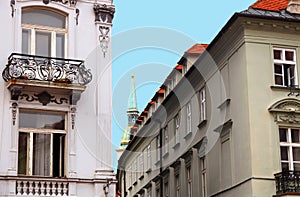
x: 202, y: 123
x: 224, y: 104
x: 130, y: 188
x: 148, y: 171
x: 166, y: 155
x: 135, y: 183
x: 157, y: 163
x: 286, y: 88
x: 188, y: 135
x: 141, y: 177
x: 176, y: 145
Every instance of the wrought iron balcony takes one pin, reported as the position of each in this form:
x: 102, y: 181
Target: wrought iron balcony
x: 31, y: 67
x: 287, y: 182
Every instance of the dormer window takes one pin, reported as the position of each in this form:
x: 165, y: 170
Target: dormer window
x: 44, y: 32
x: 285, y: 72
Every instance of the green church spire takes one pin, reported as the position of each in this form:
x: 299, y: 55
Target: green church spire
x: 132, y: 114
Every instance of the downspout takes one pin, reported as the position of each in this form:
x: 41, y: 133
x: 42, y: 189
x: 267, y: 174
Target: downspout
x: 161, y: 168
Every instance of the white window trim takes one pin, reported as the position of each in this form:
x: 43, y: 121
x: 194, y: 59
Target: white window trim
x: 188, y: 118
x: 290, y: 145
x: 283, y: 61
x: 202, y: 104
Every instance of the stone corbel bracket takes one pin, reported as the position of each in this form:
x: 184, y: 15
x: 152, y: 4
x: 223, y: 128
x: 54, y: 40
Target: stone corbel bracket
x: 286, y: 111
x: 104, y: 13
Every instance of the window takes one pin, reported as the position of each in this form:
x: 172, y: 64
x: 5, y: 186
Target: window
x: 141, y: 164
x: 166, y: 187
x: 44, y: 32
x: 188, y: 118
x: 149, y: 192
x: 290, y: 148
x: 202, y: 105
x: 134, y: 168
x: 177, y: 186
x: 158, y: 148
x: 148, y: 157
x: 177, y: 124
x: 41, y: 149
x: 166, y: 140
x: 203, y: 176
x: 130, y: 176
x: 189, y: 179
x: 285, y: 73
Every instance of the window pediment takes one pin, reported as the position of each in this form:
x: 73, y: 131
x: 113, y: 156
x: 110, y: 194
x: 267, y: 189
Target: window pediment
x: 286, y: 111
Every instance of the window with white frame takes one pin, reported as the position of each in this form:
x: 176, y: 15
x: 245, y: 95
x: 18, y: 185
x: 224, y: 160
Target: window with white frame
x: 149, y: 157
x: 177, y: 124
x: 44, y: 32
x: 188, y: 118
x: 189, y: 179
x: 166, y: 140
x: 203, y: 176
x: 141, y: 164
x: 290, y: 148
x: 134, y: 170
x: 158, y: 148
x: 41, y: 150
x: 285, y: 72
x: 202, y: 104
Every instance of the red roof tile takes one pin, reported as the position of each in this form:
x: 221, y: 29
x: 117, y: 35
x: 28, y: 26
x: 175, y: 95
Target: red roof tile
x: 161, y: 91
x: 197, y: 49
x: 178, y: 67
x: 271, y: 5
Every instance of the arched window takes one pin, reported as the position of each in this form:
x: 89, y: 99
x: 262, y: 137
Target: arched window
x: 44, y: 32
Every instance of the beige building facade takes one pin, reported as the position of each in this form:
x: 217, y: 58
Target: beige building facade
x: 230, y: 124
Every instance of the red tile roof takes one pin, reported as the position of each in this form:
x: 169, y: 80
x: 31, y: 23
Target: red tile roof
x: 178, y: 67
x: 271, y: 5
x: 197, y: 49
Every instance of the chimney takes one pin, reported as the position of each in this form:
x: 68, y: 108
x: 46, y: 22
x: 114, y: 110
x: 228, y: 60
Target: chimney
x: 294, y: 6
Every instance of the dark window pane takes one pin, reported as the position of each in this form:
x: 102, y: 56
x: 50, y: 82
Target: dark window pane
x: 22, y: 153
x: 284, y: 153
x: 296, y: 166
x: 278, y: 69
x: 278, y: 80
x: 42, y: 120
x: 284, y: 166
x: 277, y: 54
x: 289, y: 55
x: 43, y: 17
x: 296, y: 154
x: 58, y: 155
x: 295, y: 135
x: 282, y: 135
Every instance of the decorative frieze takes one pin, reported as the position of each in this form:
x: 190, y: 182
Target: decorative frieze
x: 44, y: 97
x: 71, y: 3
x: 104, y: 13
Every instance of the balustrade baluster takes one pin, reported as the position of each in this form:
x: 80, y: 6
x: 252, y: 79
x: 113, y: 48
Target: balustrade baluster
x: 53, y: 188
x: 19, y: 187
x: 30, y: 188
x: 59, y: 189
x: 42, y: 189
x: 65, y: 189
x: 48, y: 188
x: 36, y: 188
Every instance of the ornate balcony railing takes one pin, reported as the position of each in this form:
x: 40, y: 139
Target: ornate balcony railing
x: 31, y: 67
x: 40, y: 187
x: 288, y: 181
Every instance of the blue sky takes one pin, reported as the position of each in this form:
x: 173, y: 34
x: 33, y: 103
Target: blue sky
x: 149, y: 37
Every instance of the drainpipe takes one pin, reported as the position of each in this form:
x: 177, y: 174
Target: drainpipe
x: 161, y: 167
